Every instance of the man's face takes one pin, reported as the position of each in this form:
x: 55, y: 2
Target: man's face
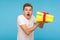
x: 28, y: 12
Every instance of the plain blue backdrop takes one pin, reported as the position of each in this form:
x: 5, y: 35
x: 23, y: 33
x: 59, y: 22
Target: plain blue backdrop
x: 10, y: 9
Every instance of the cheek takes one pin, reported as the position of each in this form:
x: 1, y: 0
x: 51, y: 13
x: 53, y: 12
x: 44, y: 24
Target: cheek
x: 25, y: 12
x: 30, y: 12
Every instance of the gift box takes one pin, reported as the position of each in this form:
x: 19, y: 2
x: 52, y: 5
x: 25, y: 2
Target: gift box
x: 44, y: 17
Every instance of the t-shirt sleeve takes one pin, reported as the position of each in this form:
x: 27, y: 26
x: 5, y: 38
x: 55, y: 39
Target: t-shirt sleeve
x: 20, y: 21
x: 34, y: 19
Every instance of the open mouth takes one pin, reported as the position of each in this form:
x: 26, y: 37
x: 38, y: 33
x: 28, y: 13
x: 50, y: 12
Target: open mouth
x: 28, y: 14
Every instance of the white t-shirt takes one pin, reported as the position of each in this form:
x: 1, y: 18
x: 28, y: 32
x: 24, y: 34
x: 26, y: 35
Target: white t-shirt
x: 29, y: 23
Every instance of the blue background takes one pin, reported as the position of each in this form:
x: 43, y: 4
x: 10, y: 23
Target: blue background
x: 10, y: 9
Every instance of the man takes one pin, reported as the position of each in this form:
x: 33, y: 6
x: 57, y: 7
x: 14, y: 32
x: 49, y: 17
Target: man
x: 26, y: 23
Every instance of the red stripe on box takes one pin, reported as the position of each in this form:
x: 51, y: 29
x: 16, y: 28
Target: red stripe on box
x: 44, y: 17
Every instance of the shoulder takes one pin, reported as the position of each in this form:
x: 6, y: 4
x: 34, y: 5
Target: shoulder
x: 33, y: 16
x: 19, y: 16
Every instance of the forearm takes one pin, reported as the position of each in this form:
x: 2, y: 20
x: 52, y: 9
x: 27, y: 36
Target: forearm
x: 30, y: 30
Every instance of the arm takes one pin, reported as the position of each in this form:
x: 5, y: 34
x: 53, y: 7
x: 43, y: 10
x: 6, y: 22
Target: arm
x: 28, y: 30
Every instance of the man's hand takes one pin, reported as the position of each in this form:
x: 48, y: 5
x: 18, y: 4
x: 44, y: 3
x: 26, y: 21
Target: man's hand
x: 41, y: 24
x: 37, y: 23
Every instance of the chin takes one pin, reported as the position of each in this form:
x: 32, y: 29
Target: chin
x: 28, y: 17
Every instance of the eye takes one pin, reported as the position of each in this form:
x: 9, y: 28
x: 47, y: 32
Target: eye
x: 30, y: 9
x: 26, y: 9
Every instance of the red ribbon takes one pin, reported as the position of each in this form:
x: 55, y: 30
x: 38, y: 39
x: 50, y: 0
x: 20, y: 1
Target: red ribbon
x: 44, y: 17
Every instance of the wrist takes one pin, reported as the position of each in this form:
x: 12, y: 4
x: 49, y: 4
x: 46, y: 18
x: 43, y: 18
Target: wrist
x: 35, y: 25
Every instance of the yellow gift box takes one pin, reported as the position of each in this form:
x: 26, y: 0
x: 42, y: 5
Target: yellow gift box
x: 44, y: 17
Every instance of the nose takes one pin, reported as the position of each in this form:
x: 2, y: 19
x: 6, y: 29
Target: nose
x: 28, y: 12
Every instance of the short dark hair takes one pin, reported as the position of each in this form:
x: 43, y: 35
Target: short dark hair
x: 27, y: 4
